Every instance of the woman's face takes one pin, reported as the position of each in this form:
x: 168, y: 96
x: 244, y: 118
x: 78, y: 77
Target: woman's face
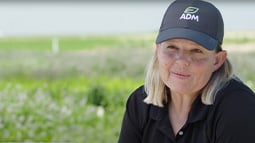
x: 185, y: 66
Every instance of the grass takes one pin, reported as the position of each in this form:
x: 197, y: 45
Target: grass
x: 58, y: 110
x: 78, y: 94
x: 76, y: 42
x: 104, y: 41
x: 239, y: 37
x: 242, y: 64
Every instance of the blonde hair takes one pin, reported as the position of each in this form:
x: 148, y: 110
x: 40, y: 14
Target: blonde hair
x: 157, y: 91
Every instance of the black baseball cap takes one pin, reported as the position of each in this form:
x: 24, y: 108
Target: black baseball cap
x: 195, y: 20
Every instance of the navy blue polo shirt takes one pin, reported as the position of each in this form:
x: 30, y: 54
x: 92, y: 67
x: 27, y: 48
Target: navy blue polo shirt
x: 231, y: 119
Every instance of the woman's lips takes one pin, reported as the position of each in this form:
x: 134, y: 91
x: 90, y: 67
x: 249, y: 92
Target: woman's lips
x: 181, y: 75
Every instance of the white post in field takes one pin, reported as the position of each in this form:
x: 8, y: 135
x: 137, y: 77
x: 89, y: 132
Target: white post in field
x: 55, y: 45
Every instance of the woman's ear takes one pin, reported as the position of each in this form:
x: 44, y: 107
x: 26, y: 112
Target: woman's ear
x: 220, y: 58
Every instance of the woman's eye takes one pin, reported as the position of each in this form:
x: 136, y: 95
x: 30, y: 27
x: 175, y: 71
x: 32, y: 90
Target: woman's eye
x: 172, y: 48
x: 197, y: 51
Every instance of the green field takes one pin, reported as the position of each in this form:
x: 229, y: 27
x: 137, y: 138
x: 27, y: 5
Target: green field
x: 77, y: 93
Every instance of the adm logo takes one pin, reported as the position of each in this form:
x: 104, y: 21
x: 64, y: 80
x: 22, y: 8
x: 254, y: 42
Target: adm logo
x: 190, y: 14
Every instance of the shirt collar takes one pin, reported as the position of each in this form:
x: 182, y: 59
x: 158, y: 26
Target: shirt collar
x: 198, y: 111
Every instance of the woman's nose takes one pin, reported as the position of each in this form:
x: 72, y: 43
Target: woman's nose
x: 183, y: 58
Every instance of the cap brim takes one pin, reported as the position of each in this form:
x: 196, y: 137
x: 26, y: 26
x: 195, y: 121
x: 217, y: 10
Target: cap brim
x: 198, y: 37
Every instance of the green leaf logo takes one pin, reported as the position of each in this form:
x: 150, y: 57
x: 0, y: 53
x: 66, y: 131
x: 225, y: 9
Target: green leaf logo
x: 191, y: 10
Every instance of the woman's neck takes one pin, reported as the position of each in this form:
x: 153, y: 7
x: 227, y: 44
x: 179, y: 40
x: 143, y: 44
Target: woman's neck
x: 179, y: 108
x: 182, y: 102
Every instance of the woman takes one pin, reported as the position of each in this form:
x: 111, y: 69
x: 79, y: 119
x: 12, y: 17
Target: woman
x: 190, y: 94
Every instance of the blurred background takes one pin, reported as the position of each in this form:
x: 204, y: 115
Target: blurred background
x: 68, y: 67
x: 103, y: 17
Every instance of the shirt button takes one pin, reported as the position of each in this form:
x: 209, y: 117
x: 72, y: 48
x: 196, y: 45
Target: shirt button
x: 180, y: 133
